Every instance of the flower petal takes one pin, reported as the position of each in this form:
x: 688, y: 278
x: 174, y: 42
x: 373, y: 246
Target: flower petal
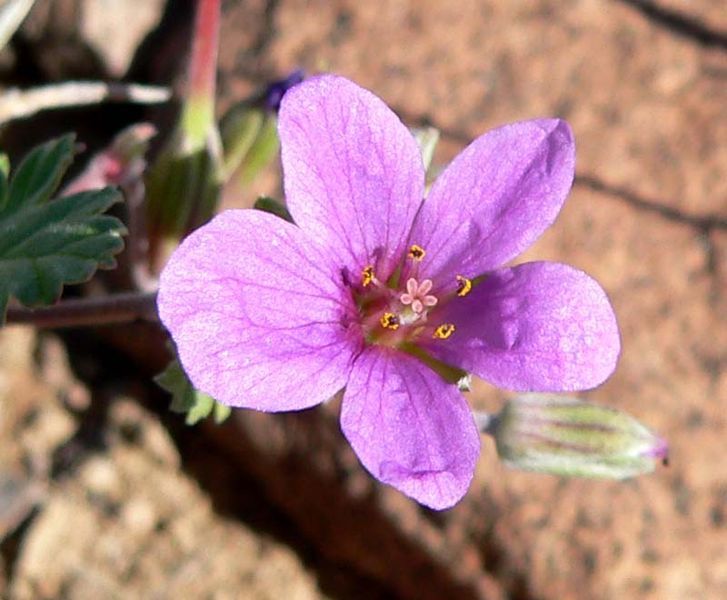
x: 495, y: 198
x: 536, y: 327
x: 410, y: 428
x: 257, y: 314
x: 354, y: 177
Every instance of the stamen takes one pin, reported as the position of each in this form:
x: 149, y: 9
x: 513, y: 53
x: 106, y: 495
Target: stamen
x: 444, y: 331
x: 367, y: 276
x: 464, y: 286
x: 389, y: 321
x: 416, y: 252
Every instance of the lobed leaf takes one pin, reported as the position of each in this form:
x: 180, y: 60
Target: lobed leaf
x: 40, y: 173
x: 45, y: 245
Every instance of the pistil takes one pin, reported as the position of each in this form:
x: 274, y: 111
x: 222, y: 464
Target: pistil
x: 417, y: 296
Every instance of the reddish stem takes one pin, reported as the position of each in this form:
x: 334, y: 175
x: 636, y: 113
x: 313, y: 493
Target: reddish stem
x: 203, y: 61
x: 101, y: 310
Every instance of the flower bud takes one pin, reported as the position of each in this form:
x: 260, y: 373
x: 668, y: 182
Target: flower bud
x: 564, y: 436
x: 276, y: 90
x: 184, y: 182
x: 249, y: 130
x: 183, y: 188
x: 117, y: 164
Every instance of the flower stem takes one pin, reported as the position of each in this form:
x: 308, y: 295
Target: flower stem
x: 199, y: 106
x: 77, y: 312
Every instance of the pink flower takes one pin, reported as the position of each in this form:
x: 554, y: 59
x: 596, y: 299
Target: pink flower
x: 379, y: 292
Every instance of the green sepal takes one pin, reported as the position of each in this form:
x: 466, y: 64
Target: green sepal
x: 186, y: 400
x: 263, y: 150
x: 239, y: 129
x: 183, y: 187
x: 4, y: 175
x: 273, y: 206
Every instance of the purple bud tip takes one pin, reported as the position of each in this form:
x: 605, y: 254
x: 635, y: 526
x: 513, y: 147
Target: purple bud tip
x: 276, y: 90
x: 660, y: 451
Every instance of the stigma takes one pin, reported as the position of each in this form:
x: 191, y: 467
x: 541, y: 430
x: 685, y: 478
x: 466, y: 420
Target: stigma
x: 417, y: 296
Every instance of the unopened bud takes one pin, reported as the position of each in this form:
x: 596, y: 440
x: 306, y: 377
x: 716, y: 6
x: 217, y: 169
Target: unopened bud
x: 250, y: 141
x: 564, y: 436
x: 276, y: 90
x: 183, y: 189
x: 249, y: 130
x: 122, y: 161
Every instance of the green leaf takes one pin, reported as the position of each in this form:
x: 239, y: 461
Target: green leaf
x: 40, y: 173
x: 4, y: 165
x: 186, y: 400
x: 221, y: 412
x: 45, y: 245
x: 4, y: 172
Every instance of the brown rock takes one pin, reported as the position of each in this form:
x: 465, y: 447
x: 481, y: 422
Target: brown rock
x: 129, y: 524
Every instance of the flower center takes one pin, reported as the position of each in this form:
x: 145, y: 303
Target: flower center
x: 417, y: 297
x: 392, y: 314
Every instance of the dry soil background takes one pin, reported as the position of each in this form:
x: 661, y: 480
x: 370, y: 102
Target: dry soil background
x: 103, y: 496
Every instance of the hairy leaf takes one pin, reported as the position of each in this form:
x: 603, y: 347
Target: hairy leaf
x: 46, y: 244
x: 40, y: 173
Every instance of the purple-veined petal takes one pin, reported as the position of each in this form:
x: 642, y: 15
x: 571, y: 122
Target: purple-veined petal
x: 495, y: 199
x: 353, y: 173
x: 538, y: 326
x: 409, y: 427
x: 257, y: 313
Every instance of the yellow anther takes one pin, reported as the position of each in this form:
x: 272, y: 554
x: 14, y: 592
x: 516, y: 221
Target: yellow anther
x: 464, y: 285
x: 367, y: 276
x: 389, y: 321
x: 444, y: 331
x: 416, y: 252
